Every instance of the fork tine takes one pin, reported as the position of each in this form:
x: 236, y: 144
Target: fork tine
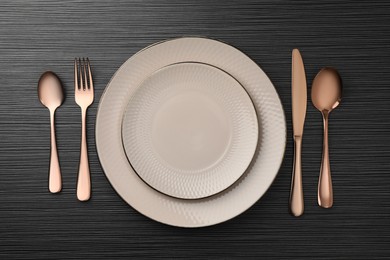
x: 85, y: 75
x: 76, y: 78
x: 90, y: 75
x: 81, y: 75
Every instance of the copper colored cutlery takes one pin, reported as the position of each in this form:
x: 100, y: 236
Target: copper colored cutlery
x: 326, y: 96
x: 51, y: 95
x: 299, y: 100
x: 84, y: 96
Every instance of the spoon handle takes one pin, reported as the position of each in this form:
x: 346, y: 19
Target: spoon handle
x: 84, y: 178
x: 55, y: 183
x: 325, y: 190
x: 296, y: 193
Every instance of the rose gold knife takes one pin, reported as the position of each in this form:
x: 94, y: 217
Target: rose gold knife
x: 299, y: 101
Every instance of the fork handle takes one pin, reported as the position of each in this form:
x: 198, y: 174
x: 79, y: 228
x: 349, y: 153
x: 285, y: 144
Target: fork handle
x: 55, y: 183
x: 84, y: 177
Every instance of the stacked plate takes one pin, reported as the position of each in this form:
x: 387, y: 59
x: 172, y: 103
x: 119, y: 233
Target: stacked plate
x: 190, y: 132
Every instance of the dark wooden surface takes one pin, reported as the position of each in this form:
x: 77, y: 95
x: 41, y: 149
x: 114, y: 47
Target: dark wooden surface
x: 353, y: 36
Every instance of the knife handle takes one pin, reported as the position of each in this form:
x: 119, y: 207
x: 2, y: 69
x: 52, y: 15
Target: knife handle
x: 325, y: 189
x: 296, y: 193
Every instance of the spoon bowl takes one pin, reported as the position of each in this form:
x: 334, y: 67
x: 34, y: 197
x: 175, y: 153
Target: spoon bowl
x: 326, y: 96
x: 51, y: 95
x: 326, y: 90
x: 50, y: 90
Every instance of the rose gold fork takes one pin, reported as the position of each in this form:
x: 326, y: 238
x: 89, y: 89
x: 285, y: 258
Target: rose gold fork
x: 83, y: 87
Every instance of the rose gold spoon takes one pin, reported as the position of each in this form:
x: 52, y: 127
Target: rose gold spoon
x: 326, y: 96
x: 51, y: 95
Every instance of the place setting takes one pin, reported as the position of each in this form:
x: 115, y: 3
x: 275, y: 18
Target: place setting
x: 191, y: 132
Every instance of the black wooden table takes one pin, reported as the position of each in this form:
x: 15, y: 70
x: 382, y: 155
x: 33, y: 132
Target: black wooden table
x: 353, y: 36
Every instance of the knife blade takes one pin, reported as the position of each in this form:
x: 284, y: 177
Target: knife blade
x: 299, y: 103
x: 299, y: 93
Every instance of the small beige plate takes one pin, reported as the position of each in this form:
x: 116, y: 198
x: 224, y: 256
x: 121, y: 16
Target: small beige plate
x: 190, y: 130
x: 224, y: 205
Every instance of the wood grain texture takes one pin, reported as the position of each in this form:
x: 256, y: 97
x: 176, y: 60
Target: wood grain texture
x: 352, y: 36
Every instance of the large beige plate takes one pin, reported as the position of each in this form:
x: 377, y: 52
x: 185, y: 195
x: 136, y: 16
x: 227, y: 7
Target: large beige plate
x: 222, y: 206
x: 190, y: 130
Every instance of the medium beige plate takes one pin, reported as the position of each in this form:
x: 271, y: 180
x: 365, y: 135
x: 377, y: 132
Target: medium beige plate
x: 190, y: 130
x: 224, y: 205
